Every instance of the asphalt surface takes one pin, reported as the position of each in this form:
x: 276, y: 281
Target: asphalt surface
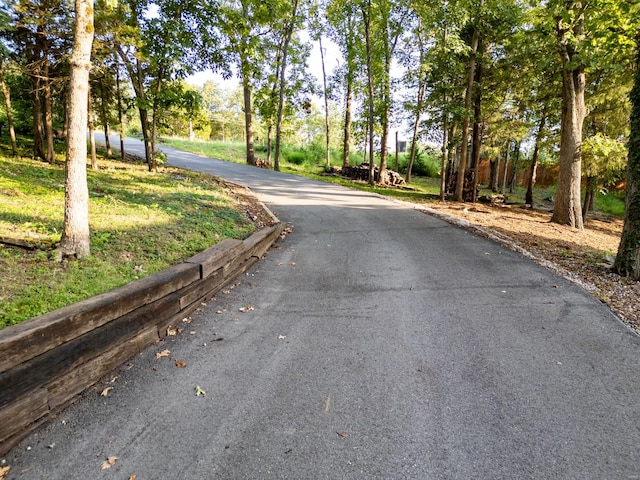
x: 382, y: 343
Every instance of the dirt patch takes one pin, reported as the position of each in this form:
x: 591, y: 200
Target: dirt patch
x: 255, y: 210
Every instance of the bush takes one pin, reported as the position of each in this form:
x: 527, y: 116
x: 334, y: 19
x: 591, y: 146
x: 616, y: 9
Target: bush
x: 425, y: 164
x: 297, y: 157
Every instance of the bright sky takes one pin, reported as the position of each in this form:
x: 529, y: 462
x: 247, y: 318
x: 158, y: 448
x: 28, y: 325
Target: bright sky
x: 314, y: 63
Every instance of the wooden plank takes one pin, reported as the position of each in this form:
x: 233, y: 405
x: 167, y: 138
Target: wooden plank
x: 197, y: 291
x: 41, y: 370
x: 258, y: 243
x: 36, y: 336
x: 216, y: 257
x: 19, y: 415
x: 75, y: 380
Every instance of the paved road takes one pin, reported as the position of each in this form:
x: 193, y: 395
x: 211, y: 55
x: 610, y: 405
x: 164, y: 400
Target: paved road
x: 383, y: 344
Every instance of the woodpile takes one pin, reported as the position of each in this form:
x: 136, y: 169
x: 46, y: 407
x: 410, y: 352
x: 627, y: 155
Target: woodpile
x: 262, y: 163
x: 361, y: 172
x: 467, y: 189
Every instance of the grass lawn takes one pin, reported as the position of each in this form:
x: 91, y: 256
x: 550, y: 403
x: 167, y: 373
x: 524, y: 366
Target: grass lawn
x: 140, y: 222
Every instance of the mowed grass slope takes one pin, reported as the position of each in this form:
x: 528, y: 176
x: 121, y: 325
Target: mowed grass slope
x: 141, y: 222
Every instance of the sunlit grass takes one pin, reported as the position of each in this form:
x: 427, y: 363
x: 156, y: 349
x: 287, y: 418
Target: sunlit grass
x: 140, y: 222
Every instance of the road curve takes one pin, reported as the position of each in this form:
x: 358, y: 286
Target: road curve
x: 374, y: 342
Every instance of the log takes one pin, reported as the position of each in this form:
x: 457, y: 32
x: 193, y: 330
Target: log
x: 28, y: 339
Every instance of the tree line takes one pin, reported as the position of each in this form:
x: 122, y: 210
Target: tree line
x: 481, y: 78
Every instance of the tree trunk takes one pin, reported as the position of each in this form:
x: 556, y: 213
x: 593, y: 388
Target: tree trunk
x: 513, y: 175
x: 478, y: 128
x: 248, y: 120
x: 462, y: 166
x: 38, y: 140
x: 7, y: 103
x: 283, y: 68
x: 326, y: 104
x: 137, y: 81
x: 269, y: 129
x: 48, y: 114
x: 367, y: 29
x: 494, y: 167
x: 503, y: 190
x: 589, y: 196
x: 416, y: 125
x: 567, y: 209
x: 75, y: 234
x: 120, y: 113
x: 92, y: 131
x: 534, y: 161
x: 627, y: 261
x: 105, y: 120
x: 346, y: 144
x: 445, y: 148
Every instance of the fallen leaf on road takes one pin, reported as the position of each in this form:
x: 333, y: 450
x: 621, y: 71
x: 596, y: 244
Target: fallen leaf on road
x: 108, y: 463
x: 218, y: 339
x: 171, y: 332
x: 132, y: 477
x: 164, y: 353
x: 226, y: 292
x: 180, y: 364
x: 106, y: 391
x: 342, y: 435
x: 281, y: 337
x: 248, y: 308
x: 200, y: 392
x: 4, y: 471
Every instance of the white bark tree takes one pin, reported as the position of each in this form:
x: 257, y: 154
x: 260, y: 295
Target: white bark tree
x: 75, y: 235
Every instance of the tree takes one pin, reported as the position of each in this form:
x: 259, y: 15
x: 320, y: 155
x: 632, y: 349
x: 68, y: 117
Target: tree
x: 341, y: 15
x: 603, y: 159
x: 627, y: 262
x: 6, y: 93
x: 287, y: 33
x: 75, y: 241
x: 570, y: 32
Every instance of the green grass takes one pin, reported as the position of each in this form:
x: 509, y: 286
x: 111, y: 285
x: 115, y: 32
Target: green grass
x: 140, y: 222
x: 611, y: 203
x: 229, y: 151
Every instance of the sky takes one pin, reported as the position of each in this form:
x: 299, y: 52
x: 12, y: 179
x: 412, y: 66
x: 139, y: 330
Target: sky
x: 314, y: 64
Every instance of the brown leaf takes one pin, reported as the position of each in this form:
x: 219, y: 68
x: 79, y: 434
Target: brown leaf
x: 132, y: 477
x: 106, y: 391
x: 164, y: 353
x: 171, y: 332
x: 4, y: 471
x: 108, y: 463
x: 342, y: 435
x: 180, y: 364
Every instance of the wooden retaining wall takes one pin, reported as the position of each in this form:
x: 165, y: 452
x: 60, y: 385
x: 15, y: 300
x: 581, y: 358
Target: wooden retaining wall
x: 47, y: 361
